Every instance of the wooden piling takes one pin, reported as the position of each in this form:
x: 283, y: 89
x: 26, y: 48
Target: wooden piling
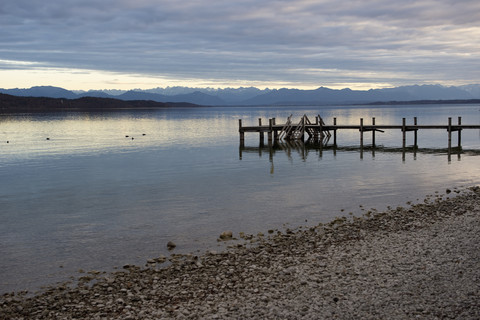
x: 404, y: 138
x: 361, y: 132
x: 459, y: 133
x: 373, y: 133
x: 415, y: 133
x: 320, y: 123
x: 270, y: 125
x: 275, y: 132
x: 449, y: 134
x: 335, y: 132
x: 262, y: 141
x: 242, y: 133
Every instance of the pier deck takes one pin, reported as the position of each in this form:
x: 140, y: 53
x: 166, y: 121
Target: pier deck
x: 367, y: 127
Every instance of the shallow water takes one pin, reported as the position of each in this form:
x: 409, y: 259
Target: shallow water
x: 90, y: 197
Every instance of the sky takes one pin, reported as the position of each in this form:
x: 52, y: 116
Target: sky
x: 305, y: 44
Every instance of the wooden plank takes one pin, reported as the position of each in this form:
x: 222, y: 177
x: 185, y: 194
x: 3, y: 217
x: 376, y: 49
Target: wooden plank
x: 366, y: 127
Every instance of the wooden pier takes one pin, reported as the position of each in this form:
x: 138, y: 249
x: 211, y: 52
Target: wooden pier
x: 318, y: 131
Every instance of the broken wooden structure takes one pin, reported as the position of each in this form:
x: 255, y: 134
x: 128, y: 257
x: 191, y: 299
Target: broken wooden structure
x: 318, y: 131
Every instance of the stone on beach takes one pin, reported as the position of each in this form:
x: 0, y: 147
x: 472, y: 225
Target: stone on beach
x: 421, y: 262
x: 171, y: 245
x: 226, y: 235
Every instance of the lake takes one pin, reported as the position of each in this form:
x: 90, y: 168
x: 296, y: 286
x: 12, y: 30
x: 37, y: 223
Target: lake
x: 95, y: 191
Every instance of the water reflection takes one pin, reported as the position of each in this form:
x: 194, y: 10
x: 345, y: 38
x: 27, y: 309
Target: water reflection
x: 315, y: 148
x: 33, y: 136
x: 91, y: 198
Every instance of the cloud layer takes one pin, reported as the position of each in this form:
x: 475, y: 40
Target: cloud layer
x: 302, y: 43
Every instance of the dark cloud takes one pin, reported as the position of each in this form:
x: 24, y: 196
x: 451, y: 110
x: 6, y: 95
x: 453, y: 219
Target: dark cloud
x: 377, y: 41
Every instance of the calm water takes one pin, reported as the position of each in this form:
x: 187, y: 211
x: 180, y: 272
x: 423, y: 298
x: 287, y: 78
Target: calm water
x: 91, y: 198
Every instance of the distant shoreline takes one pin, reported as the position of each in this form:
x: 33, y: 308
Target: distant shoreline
x: 453, y: 101
x: 17, y: 104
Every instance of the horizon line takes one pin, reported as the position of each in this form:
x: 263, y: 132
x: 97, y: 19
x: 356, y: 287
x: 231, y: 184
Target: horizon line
x: 239, y: 87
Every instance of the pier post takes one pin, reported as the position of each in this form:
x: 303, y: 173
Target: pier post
x: 275, y: 132
x: 449, y: 135
x: 415, y: 133
x: 404, y: 138
x: 315, y: 132
x: 361, y: 133
x: 373, y: 132
x: 262, y: 136
x: 334, y: 132
x: 459, y: 133
x: 270, y: 125
x: 322, y: 135
x: 242, y: 133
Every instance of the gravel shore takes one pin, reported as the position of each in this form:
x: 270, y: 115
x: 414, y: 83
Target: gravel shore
x: 418, y: 262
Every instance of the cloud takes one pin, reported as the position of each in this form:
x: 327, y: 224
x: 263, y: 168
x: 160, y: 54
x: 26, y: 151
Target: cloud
x: 381, y: 40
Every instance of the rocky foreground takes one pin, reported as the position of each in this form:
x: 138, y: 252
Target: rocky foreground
x: 419, y: 262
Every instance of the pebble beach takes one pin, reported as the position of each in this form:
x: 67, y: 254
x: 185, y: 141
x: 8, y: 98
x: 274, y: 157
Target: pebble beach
x: 416, y: 262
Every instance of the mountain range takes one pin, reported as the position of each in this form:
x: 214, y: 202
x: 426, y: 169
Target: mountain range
x: 251, y: 96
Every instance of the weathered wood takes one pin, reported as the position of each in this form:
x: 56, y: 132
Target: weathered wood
x: 270, y: 126
x: 335, y: 132
x: 449, y: 135
x: 285, y: 129
x: 361, y: 132
x: 275, y: 132
x: 290, y: 131
x: 373, y: 132
x: 242, y: 133
x: 459, y: 133
x: 366, y: 127
x: 262, y: 141
x: 317, y: 132
x: 415, y: 145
